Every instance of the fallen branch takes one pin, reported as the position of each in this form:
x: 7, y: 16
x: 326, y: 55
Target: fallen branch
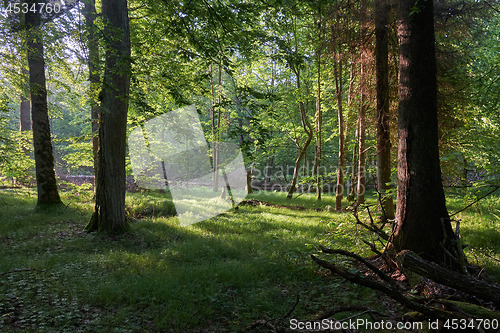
x: 466, y: 283
x: 365, y: 262
x: 390, y: 290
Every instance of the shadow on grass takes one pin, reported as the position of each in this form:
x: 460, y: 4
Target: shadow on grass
x: 217, y: 275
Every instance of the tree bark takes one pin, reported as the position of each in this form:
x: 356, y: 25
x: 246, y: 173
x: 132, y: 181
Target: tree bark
x: 350, y: 98
x: 48, y: 194
x: 361, y: 186
x: 249, y: 181
x: 319, y: 124
x: 109, y: 212
x: 383, y: 116
x: 24, y: 114
x: 339, y: 189
x: 94, y: 77
x: 25, y: 104
x: 422, y: 222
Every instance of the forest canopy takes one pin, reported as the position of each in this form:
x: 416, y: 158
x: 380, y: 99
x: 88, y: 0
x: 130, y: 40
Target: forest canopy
x: 328, y: 126
x: 243, y: 60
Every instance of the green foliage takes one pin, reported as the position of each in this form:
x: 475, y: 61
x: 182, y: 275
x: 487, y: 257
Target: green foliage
x: 468, y: 44
x: 79, y: 155
x: 15, y: 160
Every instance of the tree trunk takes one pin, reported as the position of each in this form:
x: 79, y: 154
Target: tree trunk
x: 339, y: 189
x: 25, y: 105
x: 303, y: 149
x: 24, y: 114
x: 217, y: 139
x: 354, y: 174
x: 422, y: 222
x: 94, y: 77
x: 319, y: 123
x: 304, y: 121
x: 361, y: 186
x: 109, y: 212
x: 383, y: 116
x: 48, y: 194
x: 350, y: 98
x: 249, y: 181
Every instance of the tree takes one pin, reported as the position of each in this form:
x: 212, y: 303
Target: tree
x: 25, y: 106
x: 48, y: 194
x: 109, y: 212
x: 295, y: 65
x: 422, y: 220
x: 363, y: 104
x: 339, y: 92
x: 383, y: 116
x: 93, y: 66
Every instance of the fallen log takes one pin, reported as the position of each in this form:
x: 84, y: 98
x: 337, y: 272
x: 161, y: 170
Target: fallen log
x: 408, y: 260
x: 390, y: 290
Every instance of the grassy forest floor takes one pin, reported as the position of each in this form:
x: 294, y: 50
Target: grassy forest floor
x: 218, y: 275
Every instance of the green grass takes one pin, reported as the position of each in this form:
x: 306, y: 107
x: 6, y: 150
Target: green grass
x: 479, y: 225
x: 218, y: 275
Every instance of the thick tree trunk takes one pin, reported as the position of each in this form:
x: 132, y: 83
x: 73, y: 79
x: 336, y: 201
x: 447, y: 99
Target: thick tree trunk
x: 383, y: 116
x: 109, y: 211
x: 422, y: 221
x: 94, y: 77
x: 44, y: 157
x: 24, y: 114
x: 25, y: 104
